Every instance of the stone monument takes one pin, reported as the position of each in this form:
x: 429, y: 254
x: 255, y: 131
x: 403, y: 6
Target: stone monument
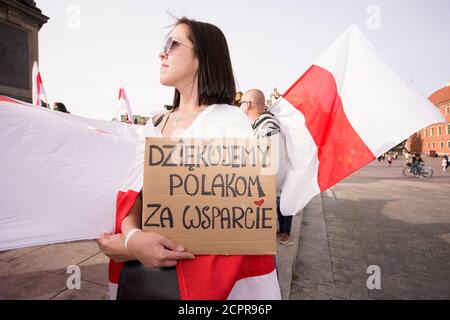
x: 20, y: 22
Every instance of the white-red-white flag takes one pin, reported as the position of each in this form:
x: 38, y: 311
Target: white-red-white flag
x: 38, y: 92
x: 124, y: 103
x: 346, y: 110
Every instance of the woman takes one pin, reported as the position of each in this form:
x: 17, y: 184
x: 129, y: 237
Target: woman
x: 196, y: 62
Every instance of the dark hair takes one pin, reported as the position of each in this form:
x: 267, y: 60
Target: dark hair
x: 215, y: 82
x: 59, y: 106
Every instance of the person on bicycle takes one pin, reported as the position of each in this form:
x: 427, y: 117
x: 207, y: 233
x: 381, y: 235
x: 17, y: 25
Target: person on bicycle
x: 416, y: 164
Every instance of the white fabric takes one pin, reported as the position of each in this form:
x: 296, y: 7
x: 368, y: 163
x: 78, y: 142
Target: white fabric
x: 382, y: 107
x: 60, y: 175
x: 264, y: 287
x: 302, y: 162
x: 113, y: 288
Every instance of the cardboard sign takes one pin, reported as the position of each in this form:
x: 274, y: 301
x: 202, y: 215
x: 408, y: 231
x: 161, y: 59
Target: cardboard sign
x: 213, y: 196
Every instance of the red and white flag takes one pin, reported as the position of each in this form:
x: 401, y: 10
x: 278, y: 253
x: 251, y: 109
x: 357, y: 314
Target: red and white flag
x: 345, y: 111
x: 124, y: 103
x: 37, y: 86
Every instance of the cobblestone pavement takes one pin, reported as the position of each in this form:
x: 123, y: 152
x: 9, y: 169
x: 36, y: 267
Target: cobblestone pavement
x: 377, y: 217
x: 39, y: 273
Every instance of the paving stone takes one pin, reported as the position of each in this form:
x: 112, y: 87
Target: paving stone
x: 31, y: 286
x: 95, y: 269
x: 54, y: 258
x: 378, y: 217
x: 10, y: 255
x: 87, y: 291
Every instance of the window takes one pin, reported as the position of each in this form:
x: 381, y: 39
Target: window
x: 448, y: 144
x: 442, y: 144
x: 425, y: 131
x: 448, y: 128
x: 428, y: 145
x: 431, y: 132
x: 448, y: 110
x: 439, y: 130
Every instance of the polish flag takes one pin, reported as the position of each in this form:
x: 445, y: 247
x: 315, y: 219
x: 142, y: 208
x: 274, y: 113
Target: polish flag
x: 345, y: 111
x: 37, y: 86
x: 124, y: 104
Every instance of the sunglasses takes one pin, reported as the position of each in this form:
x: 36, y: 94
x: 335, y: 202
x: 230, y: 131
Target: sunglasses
x: 171, y: 44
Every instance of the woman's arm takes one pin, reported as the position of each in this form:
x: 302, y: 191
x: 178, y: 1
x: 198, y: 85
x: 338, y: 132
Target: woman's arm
x: 151, y: 249
x: 113, y: 245
x: 133, y: 219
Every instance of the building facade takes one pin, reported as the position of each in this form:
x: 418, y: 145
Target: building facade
x: 435, y: 139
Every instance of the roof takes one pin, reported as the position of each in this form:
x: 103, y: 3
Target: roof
x: 440, y: 96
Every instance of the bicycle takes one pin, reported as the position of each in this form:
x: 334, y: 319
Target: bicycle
x: 419, y: 171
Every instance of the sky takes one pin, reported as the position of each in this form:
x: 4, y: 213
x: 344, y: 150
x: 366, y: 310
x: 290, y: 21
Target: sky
x: 88, y: 47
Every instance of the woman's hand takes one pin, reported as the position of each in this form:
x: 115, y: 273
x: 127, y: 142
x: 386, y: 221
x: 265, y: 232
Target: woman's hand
x: 113, y: 247
x: 154, y: 250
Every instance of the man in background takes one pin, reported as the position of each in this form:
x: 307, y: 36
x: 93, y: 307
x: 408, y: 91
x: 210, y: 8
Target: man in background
x: 265, y: 125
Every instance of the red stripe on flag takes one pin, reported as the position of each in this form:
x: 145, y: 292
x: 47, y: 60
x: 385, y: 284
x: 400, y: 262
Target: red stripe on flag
x: 39, y: 80
x: 124, y: 202
x: 121, y: 94
x: 8, y: 99
x: 114, y: 271
x: 341, y: 150
x: 213, y: 277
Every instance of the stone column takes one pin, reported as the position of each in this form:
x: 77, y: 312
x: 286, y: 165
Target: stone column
x: 20, y: 22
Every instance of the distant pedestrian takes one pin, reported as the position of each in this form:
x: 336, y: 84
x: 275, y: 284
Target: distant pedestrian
x: 59, y: 106
x: 445, y: 162
x: 390, y: 158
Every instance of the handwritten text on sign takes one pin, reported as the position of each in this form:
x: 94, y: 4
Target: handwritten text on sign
x: 214, y: 196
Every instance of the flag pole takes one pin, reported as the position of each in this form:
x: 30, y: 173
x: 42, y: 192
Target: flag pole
x: 45, y: 96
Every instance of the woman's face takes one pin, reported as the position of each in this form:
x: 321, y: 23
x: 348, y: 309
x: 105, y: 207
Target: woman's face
x: 179, y: 65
